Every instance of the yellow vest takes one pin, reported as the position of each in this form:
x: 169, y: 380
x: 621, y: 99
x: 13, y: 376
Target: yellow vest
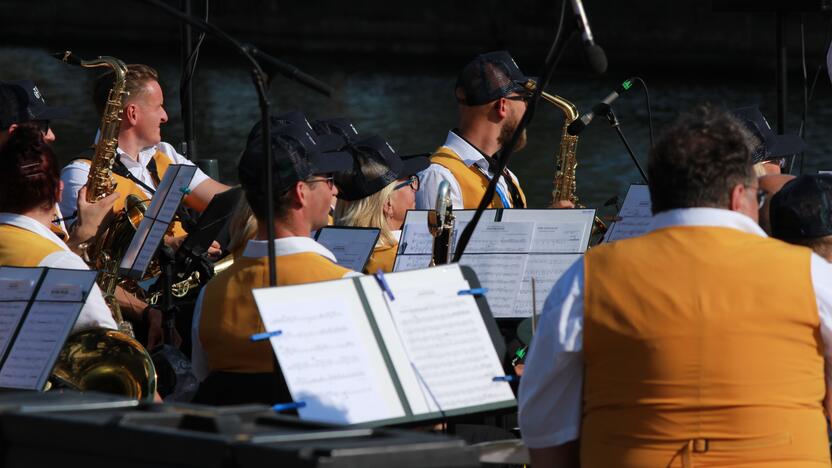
x: 126, y: 187
x: 229, y: 314
x: 382, y: 257
x: 23, y: 248
x: 472, y: 182
x: 702, y: 346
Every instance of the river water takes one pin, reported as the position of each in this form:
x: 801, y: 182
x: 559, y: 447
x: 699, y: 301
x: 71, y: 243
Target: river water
x: 411, y: 104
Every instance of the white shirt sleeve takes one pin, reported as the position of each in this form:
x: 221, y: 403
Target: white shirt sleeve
x: 429, y: 180
x: 552, y: 383
x: 199, y: 176
x: 95, y: 312
x: 822, y: 282
x: 74, y: 176
x: 199, y: 361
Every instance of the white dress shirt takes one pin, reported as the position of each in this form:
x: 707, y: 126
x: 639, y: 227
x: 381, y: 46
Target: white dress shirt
x: 95, y: 312
x: 74, y: 175
x: 551, y: 387
x: 430, y: 178
x: 254, y: 249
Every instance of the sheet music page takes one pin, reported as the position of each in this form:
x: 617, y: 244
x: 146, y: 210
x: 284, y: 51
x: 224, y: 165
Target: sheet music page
x: 437, y: 340
x: 66, y: 285
x: 546, y: 271
x: 351, y: 247
x: 504, y: 237
x: 556, y: 230
x: 502, y: 275
x: 38, y: 344
x: 411, y: 262
x: 328, y: 352
x: 416, y: 238
x: 635, y: 215
x: 10, y: 315
x: 17, y: 283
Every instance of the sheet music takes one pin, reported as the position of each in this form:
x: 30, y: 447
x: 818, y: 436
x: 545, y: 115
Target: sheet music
x: 10, y: 315
x: 558, y: 238
x: 18, y: 284
x: 416, y: 238
x: 328, y: 353
x: 492, y: 238
x: 411, y: 262
x: 443, y: 335
x: 66, y: 285
x: 546, y: 271
x: 154, y: 224
x: 38, y: 344
x: 351, y: 246
x: 635, y: 214
x: 501, y: 274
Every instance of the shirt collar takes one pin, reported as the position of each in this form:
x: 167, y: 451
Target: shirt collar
x: 712, y: 217
x: 469, y: 154
x: 287, y: 246
x: 32, y: 225
x: 145, y: 155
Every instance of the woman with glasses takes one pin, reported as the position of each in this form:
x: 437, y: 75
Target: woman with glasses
x: 377, y: 193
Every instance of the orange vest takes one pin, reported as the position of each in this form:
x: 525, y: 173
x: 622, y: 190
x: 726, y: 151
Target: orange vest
x: 23, y: 248
x: 126, y: 187
x: 382, y: 257
x: 702, y: 346
x: 472, y: 182
x: 229, y: 314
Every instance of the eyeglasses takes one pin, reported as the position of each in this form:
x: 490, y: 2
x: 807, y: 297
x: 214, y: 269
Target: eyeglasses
x: 330, y: 181
x: 523, y: 97
x: 412, y: 181
x: 761, y: 197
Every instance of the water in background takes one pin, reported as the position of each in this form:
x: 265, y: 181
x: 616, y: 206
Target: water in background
x: 412, y: 105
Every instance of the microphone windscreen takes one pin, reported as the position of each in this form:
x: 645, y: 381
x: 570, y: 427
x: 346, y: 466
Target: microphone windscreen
x: 597, y: 59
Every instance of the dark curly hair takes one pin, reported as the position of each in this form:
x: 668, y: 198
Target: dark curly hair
x: 29, y: 174
x: 699, y: 159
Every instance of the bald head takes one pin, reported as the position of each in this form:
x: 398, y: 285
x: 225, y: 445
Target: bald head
x: 771, y: 184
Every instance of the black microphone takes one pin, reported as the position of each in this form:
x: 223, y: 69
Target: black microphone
x: 594, y: 53
x: 579, y: 124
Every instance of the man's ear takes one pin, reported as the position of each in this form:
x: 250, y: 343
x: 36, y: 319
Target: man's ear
x: 738, y: 199
x: 300, y: 191
x: 12, y: 128
x: 131, y: 113
x: 501, y: 107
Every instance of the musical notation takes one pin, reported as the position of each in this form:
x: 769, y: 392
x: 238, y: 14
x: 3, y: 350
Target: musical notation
x: 351, y: 247
x: 546, y: 270
x: 502, y: 275
x: 635, y: 215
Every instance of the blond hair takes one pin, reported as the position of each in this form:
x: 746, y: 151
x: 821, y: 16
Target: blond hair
x: 241, y: 228
x: 367, y: 212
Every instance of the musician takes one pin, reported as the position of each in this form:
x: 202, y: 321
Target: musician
x: 336, y: 126
x: 770, y: 150
x: 801, y: 213
x: 492, y: 101
x: 237, y: 370
x: 377, y: 192
x: 29, y: 188
x: 21, y: 102
x: 142, y: 155
x: 670, y: 349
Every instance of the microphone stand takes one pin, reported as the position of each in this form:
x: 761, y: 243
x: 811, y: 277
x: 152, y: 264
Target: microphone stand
x: 552, y: 59
x: 260, y: 79
x: 614, y: 123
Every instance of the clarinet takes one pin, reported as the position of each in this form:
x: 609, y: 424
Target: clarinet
x: 441, y: 225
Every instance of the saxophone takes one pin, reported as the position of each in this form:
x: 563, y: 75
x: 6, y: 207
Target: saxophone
x: 566, y: 163
x: 100, y: 359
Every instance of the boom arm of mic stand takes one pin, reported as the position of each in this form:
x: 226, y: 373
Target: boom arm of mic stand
x: 260, y: 80
x: 291, y: 71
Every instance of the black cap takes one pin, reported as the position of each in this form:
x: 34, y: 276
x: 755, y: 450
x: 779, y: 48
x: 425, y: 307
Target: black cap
x: 489, y: 77
x: 297, y: 154
x: 340, y: 126
x: 22, y: 101
x: 773, y: 146
x: 355, y: 185
x: 802, y: 208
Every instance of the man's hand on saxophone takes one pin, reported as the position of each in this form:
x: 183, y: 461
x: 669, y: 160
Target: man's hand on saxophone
x: 91, y: 215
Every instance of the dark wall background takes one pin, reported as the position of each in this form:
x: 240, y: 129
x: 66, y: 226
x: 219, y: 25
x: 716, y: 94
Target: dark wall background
x: 677, y: 35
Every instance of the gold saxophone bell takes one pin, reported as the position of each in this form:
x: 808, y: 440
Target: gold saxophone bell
x: 106, y: 361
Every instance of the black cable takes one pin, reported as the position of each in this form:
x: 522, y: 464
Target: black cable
x: 649, y: 110
x: 802, y: 131
x: 552, y: 59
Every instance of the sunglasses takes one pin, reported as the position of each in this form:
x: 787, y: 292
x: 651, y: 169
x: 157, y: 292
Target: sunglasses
x: 43, y: 125
x: 523, y: 97
x: 412, y: 182
x: 330, y: 181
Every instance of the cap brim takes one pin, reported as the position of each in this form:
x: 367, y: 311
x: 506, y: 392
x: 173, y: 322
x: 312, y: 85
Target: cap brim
x: 328, y: 163
x: 412, y: 165
x: 53, y: 113
x: 330, y: 142
x: 780, y: 146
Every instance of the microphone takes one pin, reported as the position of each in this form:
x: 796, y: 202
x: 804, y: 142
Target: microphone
x: 594, y: 53
x: 67, y: 57
x: 579, y: 124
